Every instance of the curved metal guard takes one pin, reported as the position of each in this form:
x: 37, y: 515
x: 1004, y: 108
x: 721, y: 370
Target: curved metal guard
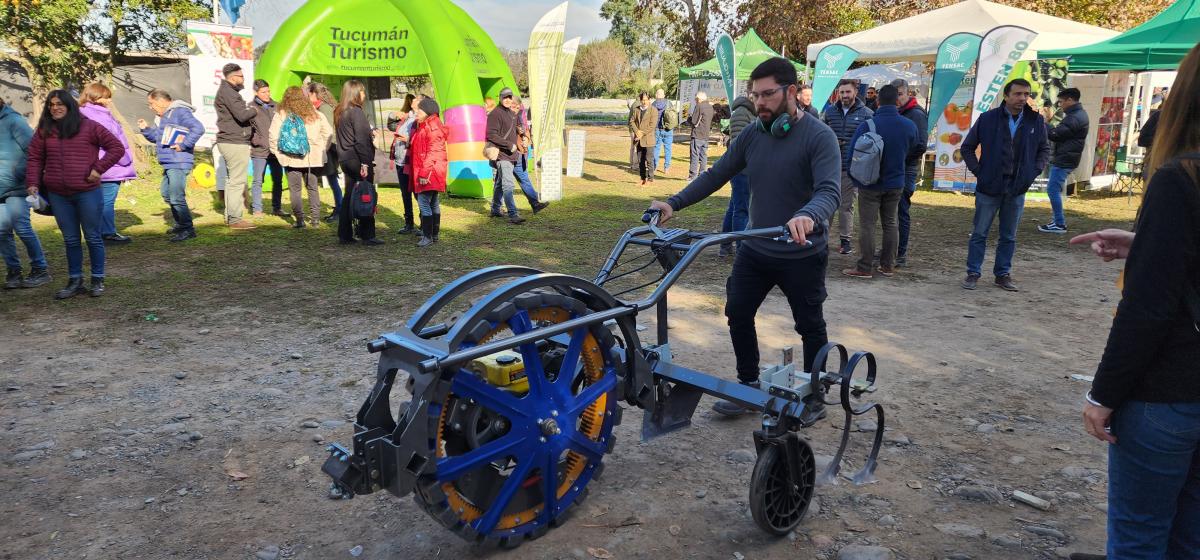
x: 844, y: 377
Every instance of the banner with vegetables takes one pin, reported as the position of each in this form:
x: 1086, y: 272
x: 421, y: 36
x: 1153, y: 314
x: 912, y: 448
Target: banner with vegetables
x: 949, y: 171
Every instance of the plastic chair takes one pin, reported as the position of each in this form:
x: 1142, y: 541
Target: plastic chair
x: 1128, y: 178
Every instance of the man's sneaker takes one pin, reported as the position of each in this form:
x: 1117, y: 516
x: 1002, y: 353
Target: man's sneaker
x: 726, y: 250
x: 116, y: 239
x: 1053, y: 228
x: 183, y: 235
x: 496, y: 214
x: 176, y: 229
x: 1006, y: 283
x: 814, y: 411
x: 887, y: 272
x: 856, y: 273
x: 970, y: 281
x: 540, y: 206
x: 846, y: 249
x: 732, y: 409
x: 515, y: 220
x: 37, y: 277
x: 13, y: 280
x: 243, y: 224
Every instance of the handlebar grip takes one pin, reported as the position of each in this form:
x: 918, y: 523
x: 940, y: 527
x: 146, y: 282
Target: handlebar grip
x: 649, y: 214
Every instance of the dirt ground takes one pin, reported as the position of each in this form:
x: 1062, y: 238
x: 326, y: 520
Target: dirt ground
x: 121, y: 436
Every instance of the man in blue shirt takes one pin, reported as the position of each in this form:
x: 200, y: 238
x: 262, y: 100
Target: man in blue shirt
x: 1014, y: 152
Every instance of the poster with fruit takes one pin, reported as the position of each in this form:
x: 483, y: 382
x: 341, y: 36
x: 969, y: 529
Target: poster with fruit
x: 1112, y: 118
x: 1046, y: 79
x: 949, y: 171
x: 210, y: 47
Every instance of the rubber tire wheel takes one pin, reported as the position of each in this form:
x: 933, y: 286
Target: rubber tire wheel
x: 773, y: 513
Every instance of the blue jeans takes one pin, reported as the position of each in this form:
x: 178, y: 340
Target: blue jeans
x: 738, y: 212
x: 1054, y: 189
x: 14, y: 218
x: 174, y: 193
x: 81, y: 212
x: 109, y: 227
x: 1009, y: 207
x: 1154, y: 482
x: 903, y: 218
x: 277, y: 185
x: 662, y: 141
x: 520, y: 171
x: 336, y: 187
x: 503, y: 185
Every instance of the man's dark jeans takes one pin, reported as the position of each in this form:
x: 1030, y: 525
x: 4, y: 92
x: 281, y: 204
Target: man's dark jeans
x: 910, y: 187
x: 753, y: 276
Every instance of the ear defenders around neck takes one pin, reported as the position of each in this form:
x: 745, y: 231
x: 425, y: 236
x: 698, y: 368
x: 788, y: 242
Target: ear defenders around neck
x: 779, y: 128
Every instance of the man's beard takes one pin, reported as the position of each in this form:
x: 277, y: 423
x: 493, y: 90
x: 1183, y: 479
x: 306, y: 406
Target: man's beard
x: 773, y: 113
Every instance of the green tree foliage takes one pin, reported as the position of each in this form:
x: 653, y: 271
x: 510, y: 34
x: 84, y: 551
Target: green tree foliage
x: 601, y: 67
x: 807, y: 22
x: 61, y: 42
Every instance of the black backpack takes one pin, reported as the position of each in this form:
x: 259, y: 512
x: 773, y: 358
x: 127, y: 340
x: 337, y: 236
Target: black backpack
x: 364, y: 199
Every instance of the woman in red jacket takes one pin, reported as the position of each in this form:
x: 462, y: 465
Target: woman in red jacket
x: 428, y: 173
x: 65, y: 163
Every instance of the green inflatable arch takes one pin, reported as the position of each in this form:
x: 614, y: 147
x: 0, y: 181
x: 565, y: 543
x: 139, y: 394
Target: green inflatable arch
x: 370, y: 38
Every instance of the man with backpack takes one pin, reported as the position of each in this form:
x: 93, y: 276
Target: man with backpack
x: 1015, y: 150
x: 664, y: 135
x: 844, y: 117
x: 876, y: 164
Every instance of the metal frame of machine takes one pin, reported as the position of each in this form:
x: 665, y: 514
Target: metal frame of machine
x: 499, y: 449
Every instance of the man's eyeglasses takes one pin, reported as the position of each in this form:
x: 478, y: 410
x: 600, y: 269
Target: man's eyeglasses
x: 766, y: 93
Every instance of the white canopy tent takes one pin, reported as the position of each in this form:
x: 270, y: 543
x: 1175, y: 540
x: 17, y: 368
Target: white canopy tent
x: 917, y: 38
x: 915, y: 73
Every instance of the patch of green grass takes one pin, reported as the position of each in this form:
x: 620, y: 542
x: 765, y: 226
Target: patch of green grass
x: 276, y: 269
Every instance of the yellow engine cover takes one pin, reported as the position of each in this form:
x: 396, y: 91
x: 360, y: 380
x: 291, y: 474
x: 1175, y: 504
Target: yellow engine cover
x: 504, y: 369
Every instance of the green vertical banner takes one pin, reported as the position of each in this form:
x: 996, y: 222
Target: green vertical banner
x: 832, y: 63
x: 727, y: 61
x: 955, y: 57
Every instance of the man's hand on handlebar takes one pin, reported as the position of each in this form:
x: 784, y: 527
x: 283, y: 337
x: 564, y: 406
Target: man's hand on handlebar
x: 799, y: 227
x: 665, y: 213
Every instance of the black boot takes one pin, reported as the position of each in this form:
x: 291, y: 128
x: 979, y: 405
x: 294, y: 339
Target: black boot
x: 74, y: 288
x: 97, y: 288
x: 426, y: 232
x: 37, y: 277
x: 13, y: 280
x: 437, y: 225
x: 732, y: 409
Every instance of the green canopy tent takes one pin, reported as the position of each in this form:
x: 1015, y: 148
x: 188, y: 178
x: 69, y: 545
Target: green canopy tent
x: 1158, y: 44
x: 750, y: 51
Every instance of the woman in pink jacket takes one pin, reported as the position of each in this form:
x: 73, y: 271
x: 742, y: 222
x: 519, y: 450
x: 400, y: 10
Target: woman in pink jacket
x: 96, y: 103
x: 65, y: 165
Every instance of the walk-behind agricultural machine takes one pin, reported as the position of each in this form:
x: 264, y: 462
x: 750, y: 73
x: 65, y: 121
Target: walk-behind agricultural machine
x: 513, y: 402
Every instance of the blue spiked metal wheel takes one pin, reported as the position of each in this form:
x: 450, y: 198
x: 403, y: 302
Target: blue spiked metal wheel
x: 521, y: 434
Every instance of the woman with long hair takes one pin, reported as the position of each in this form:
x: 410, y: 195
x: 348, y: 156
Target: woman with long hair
x: 299, y: 138
x: 96, y: 103
x: 323, y: 100
x: 428, y: 171
x: 65, y: 163
x: 356, y: 154
x: 1145, y: 399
